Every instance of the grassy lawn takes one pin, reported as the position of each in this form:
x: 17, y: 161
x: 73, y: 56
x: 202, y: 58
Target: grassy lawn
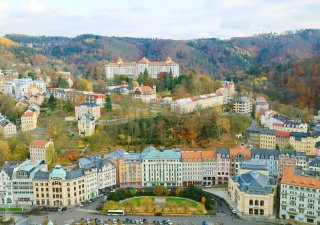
x: 180, y: 206
x: 11, y: 209
x: 181, y: 201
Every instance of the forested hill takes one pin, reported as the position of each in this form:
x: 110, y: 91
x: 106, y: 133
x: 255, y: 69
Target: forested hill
x: 212, y: 56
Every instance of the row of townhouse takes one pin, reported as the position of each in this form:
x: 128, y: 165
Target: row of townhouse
x: 276, y: 121
x: 30, y: 182
x: 75, y: 95
x: 24, y: 86
x: 270, y: 139
x: 212, y: 167
x: 188, y: 105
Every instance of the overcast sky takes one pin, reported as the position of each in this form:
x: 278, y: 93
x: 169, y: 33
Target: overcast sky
x: 175, y: 19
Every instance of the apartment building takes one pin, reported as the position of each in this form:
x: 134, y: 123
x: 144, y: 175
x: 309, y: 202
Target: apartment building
x: 161, y: 167
x: 305, y: 142
x: 188, y: 105
x: 38, y: 148
x: 261, y: 103
x: 133, y: 69
x: 60, y: 188
x: 105, y: 169
x: 6, y: 186
x: 300, y: 196
x: 270, y: 139
x: 29, y: 121
x: 145, y: 93
x: 238, y: 155
x: 95, y: 98
x: 253, y: 193
x: 242, y: 105
x: 91, y: 109
x: 223, y: 166
x: 7, y: 128
x: 21, y: 87
x: 209, y: 165
x: 288, y: 158
x: 198, y: 167
x: 129, y: 168
x: 22, y: 179
x: 314, y: 165
x: 268, y: 157
x: 86, y: 125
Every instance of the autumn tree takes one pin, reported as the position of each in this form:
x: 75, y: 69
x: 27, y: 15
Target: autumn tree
x: 111, y: 205
x: 161, y: 191
x: 203, y: 200
x: 179, y: 191
x: 83, y: 84
x: 131, y: 205
x: 4, y: 152
x: 51, y: 156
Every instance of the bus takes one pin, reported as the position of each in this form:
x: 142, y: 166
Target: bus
x: 115, y: 213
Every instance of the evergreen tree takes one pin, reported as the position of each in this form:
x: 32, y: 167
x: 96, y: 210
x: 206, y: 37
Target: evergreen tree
x: 52, y: 102
x: 108, y: 104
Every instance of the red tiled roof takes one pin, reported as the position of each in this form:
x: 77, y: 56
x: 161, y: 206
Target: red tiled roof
x: 278, y: 125
x: 283, y: 134
x: 27, y: 114
x: 39, y: 143
x: 297, y: 180
x: 240, y: 149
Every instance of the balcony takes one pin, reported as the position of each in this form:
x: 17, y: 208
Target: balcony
x: 310, y: 216
x: 292, y: 213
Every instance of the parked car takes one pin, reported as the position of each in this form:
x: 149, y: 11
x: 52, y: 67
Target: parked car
x: 234, y: 211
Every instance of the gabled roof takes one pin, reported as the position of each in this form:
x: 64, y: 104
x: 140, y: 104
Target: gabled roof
x: 265, y: 153
x: 27, y: 114
x: 38, y: 143
x: 8, y: 167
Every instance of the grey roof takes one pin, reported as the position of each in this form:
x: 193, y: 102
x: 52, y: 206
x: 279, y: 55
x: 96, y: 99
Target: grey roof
x: 249, y: 165
x: 242, y: 99
x: 292, y: 153
x: 153, y: 153
x: 315, y: 162
x: 84, y: 161
x: 254, y: 183
x: 265, y: 153
x: 292, y: 123
x: 74, y: 174
x: 263, y: 131
x: 224, y: 152
x: 117, y: 154
x: 40, y: 175
x: 88, y: 105
x: 8, y: 167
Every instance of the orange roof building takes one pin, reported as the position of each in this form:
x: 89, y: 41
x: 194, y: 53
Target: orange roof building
x: 299, y: 196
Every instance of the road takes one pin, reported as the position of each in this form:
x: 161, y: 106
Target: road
x: 75, y: 214
x: 224, y: 215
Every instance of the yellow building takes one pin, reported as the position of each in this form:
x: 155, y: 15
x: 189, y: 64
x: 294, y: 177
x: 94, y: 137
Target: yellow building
x: 59, y: 188
x: 253, y: 193
x: 267, y: 139
x: 28, y: 121
x: 304, y: 142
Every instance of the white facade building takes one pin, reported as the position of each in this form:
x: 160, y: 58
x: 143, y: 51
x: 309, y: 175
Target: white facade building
x: 133, y: 69
x: 6, y: 188
x: 161, y: 167
x: 38, y: 149
x: 188, y: 105
x: 22, y: 179
x: 21, y: 87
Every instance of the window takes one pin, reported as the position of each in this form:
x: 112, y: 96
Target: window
x: 261, y: 203
x: 256, y: 202
x: 251, y: 202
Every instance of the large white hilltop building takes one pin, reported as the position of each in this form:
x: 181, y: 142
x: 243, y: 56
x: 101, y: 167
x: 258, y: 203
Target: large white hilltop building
x: 133, y: 69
